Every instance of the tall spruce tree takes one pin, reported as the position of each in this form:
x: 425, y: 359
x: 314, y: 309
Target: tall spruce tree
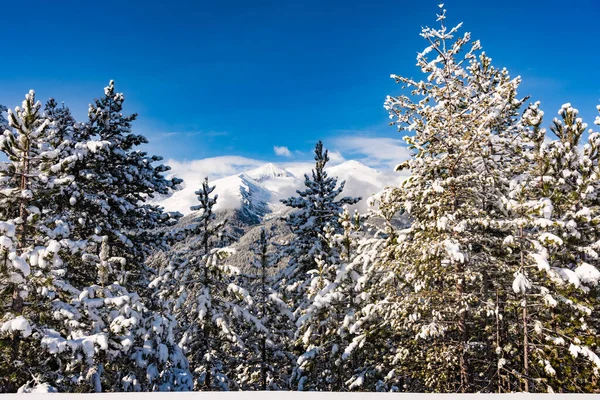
x: 445, y: 262
x: 335, y: 295
x: 115, y: 184
x: 114, y: 181
x: 204, y: 295
x: 34, y: 243
x: 317, y: 205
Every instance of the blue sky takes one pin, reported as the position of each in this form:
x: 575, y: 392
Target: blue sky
x: 237, y: 78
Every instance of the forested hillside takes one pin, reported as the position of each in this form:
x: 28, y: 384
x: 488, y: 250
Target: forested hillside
x: 477, y: 273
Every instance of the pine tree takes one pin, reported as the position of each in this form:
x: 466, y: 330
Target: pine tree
x: 115, y: 183
x: 33, y: 241
x: 446, y: 261
x: 268, y: 362
x: 323, y: 327
x: 556, y: 275
x: 64, y: 125
x: 90, y: 334
x: 112, y: 181
x: 317, y: 206
x: 210, y: 307
x: 372, y: 331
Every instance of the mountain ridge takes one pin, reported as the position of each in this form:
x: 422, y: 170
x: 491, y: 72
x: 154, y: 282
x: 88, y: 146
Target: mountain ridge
x: 257, y: 192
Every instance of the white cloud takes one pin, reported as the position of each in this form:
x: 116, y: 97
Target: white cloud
x: 282, y: 151
x: 335, y: 157
x: 208, y: 134
x: 372, y: 151
x: 168, y: 134
x: 213, y: 167
x: 298, y: 169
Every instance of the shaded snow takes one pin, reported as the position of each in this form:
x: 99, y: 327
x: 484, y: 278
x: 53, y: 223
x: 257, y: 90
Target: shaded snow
x: 588, y: 274
x: 17, y: 324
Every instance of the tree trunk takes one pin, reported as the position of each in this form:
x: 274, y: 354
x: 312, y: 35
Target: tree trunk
x: 499, y: 312
x: 462, y: 330
x: 524, y: 304
x: 263, y: 366
x: 525, y: 346
x: 460, y: 292
x: 17, y: 301
x: 207, y: 333
x: 208, y: 322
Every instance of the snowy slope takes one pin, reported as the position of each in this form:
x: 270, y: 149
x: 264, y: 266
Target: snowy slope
x: 361, y: 180
x: 257, y: 191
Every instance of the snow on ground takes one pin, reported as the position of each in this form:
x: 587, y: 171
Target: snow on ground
x: 290, y: 395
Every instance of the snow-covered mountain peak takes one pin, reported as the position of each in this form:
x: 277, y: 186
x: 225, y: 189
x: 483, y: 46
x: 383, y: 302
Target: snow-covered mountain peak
x: 257, y: 192
x: 266, y: 172
x: 351, y: 163
x: 241, y: 192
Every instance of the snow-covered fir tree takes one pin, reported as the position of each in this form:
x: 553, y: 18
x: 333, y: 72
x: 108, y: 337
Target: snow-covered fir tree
x: 335, y: 296
x: 32, y: 239
x: 317, y: 205
x: 554, y: 242
x: 83, y: 333
x: 23, y: 144
x: 115, y: 184
x: 211, y: 308
x: 267, y: 362
x: 368, y: 359
x: 446, y: 263
x: 64, y: 124
x: 113, y: 181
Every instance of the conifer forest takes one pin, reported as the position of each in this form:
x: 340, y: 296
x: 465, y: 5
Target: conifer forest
x: 479, y: 272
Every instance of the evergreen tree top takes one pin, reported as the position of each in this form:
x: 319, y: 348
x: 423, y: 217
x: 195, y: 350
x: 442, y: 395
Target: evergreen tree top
x: 206, y: 202
x: 107, y: 122
x: 321, y: 191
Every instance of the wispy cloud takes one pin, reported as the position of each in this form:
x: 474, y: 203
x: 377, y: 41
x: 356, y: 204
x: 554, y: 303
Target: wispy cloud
x: 208, y: 134
x: 166, y: 135
x: 194, y: 171
x: 373, y: 151
x: 282, y: 151
x: 336, y: 157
